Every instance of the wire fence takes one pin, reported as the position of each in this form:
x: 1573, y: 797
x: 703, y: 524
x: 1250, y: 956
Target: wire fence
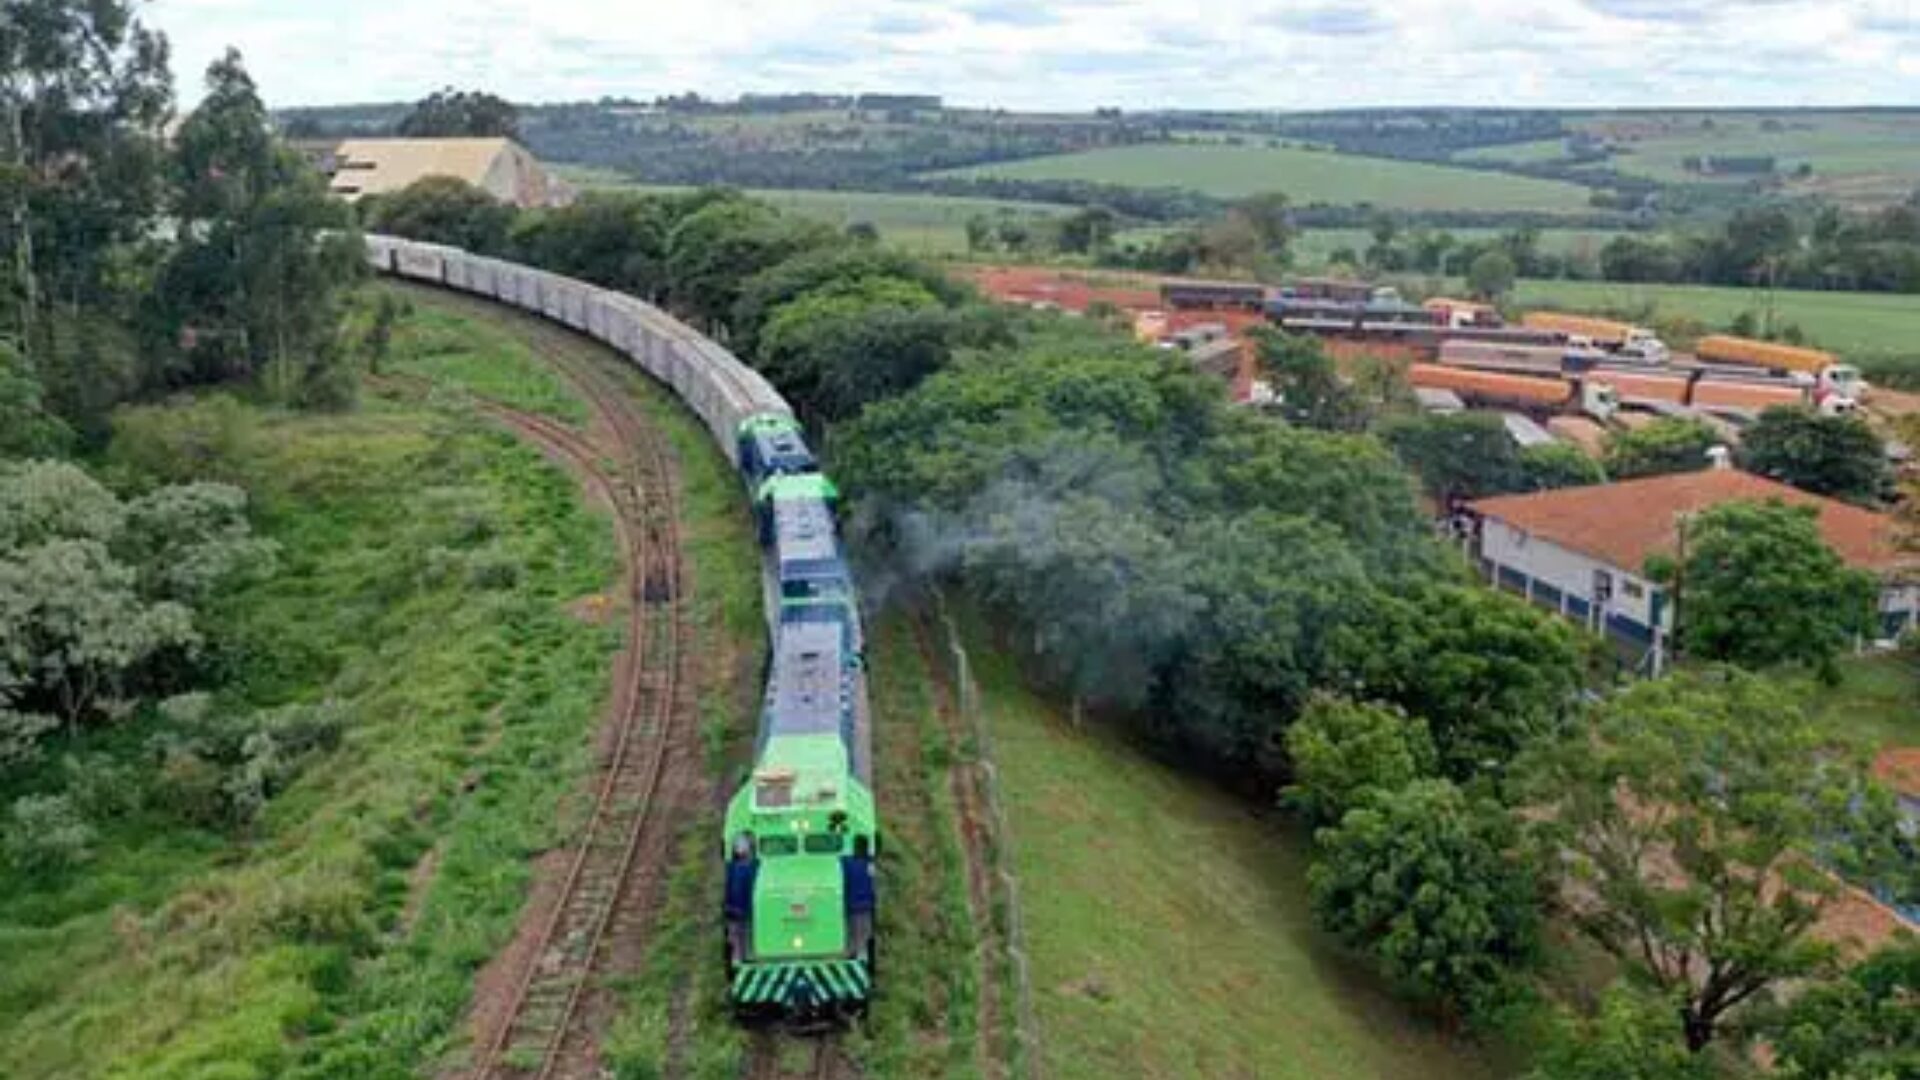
x: 1027, y: 1061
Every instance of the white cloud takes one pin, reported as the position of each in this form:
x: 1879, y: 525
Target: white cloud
x: 1072, y: 53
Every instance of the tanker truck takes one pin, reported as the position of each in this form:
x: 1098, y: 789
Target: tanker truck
x: 1625, y: 340
x: 1822, y: 369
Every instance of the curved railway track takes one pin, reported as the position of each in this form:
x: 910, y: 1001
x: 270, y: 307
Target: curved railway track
x: 614, y: 884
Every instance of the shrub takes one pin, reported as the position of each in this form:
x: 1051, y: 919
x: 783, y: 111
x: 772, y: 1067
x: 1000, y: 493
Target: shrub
x: 46, y: 834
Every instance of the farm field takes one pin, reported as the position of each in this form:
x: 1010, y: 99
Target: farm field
x: 1859, y: 158
x: 1851, y: 323
x: 1307, y: 176
x: 931, y: 224
x: 1168, y: 926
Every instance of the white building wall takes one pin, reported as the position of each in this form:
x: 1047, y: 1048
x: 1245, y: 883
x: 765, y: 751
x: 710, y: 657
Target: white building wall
x: 1568, y: 571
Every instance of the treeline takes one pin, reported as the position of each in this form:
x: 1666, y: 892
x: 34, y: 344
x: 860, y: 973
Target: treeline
x: 1830, y: 249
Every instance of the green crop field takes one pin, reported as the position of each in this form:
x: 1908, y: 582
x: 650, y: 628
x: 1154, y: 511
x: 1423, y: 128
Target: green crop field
x: 1306, y: 176
x: 1856, y: 157
x: 934, y: 224
x: 1168, y: 924
x: 1517, y: 153
x: 1863, y: 324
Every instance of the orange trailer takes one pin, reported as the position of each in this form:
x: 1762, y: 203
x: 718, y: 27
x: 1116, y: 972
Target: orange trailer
x: 1493, y: 386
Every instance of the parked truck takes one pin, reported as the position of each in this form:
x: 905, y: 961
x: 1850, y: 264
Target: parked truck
x: 1625, y: 340
x: 1823, y: 369
x: 1543, y: 394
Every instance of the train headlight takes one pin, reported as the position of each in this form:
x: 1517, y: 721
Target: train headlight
x: 799, y: 943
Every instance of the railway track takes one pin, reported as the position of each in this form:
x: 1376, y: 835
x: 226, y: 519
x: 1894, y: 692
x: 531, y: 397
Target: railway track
x: 614, y: 884
x: 824, y: 1058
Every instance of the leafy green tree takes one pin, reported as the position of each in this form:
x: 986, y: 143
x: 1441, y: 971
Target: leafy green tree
x: 1491, y: 275
x: 1346, y: 753
x: 828, y: 268
x: 1465, y: 455
x: 92, y: 589
x: 840, y: 347
x: 1087, y: 230
x: 443, y: 210
x: 1558, y: 465
x: 1312, y: 394
x: 1827, y: 455
x: 1490, y: 674
x: 84, y: 91
x: 1269, y: 216
x: 1430, y: 882
x: 979, y: 234
x: 257, y: 279
x: 714, y: 250
x: 1863, y: 1025
x: 1686, y: 812
x: 26, y: 428
x: 73, y: 626
x: 1273, y: 587
x: 450, y: 113
x: 1629, y: 1037
x: 1758, y: 586
x: 1670, y: 444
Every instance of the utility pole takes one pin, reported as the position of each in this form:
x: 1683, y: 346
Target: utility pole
x: 20, y: 221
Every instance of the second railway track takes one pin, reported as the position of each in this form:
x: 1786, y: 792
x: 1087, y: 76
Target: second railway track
x: 650, y: 776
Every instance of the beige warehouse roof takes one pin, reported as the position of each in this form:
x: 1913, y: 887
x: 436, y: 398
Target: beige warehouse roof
x: 377, y: 166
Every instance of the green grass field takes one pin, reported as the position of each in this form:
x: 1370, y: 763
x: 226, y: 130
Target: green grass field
x: 1526, y: 153
x: 931, y: 224
x: 1853, y: 324
x: 1168, y: 925
x: 1306, y: 176
x: 1861, y: 157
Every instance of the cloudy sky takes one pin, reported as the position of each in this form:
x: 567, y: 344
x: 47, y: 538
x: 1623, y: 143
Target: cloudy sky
x: 1072, y: 53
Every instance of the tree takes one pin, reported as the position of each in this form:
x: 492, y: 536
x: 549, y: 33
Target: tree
x: 1558, y: 465
x: 1269, y: 216
x: 94, y: 591
x: 1346, y: 754
x: 1827, y: 455
x: 1312, y: 394
x: 84, y: 91
x: 451, y: 113
x: 1685, y: 812
x: 1087, y: 230
x: 1860, y: 1026
x: 1757, y: 586
x: 837, y: 348
x: 1429, y: 882
x: 1668, y: 445
x: 442, y: 210
x: 1490, y: 674
x: 256, y: 280
x: 26, y: 428
x: 979, y: 234
x: 1492, y: 275
x: 1465, y: 455
x: 1629, y: 1037
x: 713, y: 251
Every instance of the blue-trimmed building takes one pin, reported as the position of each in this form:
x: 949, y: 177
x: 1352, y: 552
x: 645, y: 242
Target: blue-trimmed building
x: 1583, y: 551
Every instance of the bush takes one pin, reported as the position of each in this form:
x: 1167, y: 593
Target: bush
x: 47, y: 834
x: 1345, y: 753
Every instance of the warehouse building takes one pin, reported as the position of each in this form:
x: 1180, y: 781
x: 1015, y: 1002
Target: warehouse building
x: 500, y: 167
x: 1583, y: 551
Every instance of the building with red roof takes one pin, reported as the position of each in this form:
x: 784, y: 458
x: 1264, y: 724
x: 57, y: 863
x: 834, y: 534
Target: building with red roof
x: 1583, y: 551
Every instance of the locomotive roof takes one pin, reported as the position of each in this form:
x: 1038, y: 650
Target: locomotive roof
x: 806, y: 688
x: 803, y: 530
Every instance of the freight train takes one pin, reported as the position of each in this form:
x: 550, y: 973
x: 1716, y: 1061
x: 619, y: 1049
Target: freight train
x: 801, y: 831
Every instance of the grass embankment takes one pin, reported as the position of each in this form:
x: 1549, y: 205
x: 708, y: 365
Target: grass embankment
x: 426, y: 568
x: 1307, y: 176
x: 1168, y: 926
x: 1877, y: 701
